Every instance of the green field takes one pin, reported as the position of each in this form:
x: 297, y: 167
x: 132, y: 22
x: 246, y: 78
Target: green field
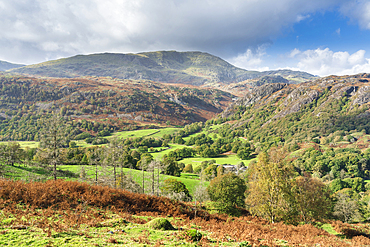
x: 26, y: 144
x: 226, y: 159
x: 159, y: 155
x: 72, y: 172
x: 146, y: 132
x: 190, y: 180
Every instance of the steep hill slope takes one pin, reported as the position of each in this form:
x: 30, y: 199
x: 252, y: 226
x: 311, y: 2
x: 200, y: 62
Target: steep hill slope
x: 6, y: 66
x: 304, y: 111
x: 195, y: 68
x: 119, y: 104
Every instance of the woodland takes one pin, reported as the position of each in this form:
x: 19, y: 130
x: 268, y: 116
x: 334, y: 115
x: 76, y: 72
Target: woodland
x: 98, y: 161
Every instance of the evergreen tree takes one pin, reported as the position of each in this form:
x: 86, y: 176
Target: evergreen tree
x: 54, y: 136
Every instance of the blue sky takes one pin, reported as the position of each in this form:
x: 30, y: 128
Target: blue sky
x: 320, y: 30
x: 322, y: 37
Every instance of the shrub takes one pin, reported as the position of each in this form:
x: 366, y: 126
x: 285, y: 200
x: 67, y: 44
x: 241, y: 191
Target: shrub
x: 193, y: 235
x: 160, y: 224
x: 171, y: 185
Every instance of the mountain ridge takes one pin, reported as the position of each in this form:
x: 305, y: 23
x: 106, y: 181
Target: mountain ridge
x: 7, y: 66
x: 195, y: 68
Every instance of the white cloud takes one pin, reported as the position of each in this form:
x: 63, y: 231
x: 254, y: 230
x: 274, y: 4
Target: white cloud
x: 338, y: 31
x: 33, y: 30
x: 251, y: 60
x: 358, y: 10
x: 325, y: 62
x: 294, y: 53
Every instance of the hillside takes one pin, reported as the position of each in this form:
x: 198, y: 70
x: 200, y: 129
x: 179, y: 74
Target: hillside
x: 290, y: 75
x: 6, y: 66
x: 113, y: 103
x: 304, y: 111
x: 195, y: 68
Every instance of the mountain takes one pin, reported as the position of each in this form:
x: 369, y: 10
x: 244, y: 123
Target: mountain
x: 6, y: 66
x: 302, y: 112
x: 291, y: 75
x: 195, y: 68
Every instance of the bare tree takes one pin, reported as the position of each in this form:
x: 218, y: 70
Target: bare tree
x: 113, y: 158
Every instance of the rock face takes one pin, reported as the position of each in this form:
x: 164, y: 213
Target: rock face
x: 259, y: 93
x: 362, y: 96
x: 297, y: 101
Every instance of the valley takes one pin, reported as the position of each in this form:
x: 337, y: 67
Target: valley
x: 189, y: 138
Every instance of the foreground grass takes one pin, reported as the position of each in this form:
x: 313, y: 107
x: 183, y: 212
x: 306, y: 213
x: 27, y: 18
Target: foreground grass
x: 127, y: 234
x: 62, y: 213
x: 114, y: 231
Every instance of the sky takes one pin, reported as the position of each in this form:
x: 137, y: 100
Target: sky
x: 322, y: 37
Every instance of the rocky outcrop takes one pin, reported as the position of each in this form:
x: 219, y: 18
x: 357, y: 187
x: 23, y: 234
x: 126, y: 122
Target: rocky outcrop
x: 298, y: 99
x: 362, y: 96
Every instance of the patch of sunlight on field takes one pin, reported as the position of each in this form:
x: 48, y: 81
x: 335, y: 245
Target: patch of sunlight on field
x: 26, y: 144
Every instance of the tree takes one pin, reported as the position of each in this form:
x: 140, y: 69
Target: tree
x: 170, y: 167
x: 270, y: 182
x: 54, y: 136
x: 210, y: 172
x: 244, y: 153
x: 346, y: 208
x: 113, y: 157
x: 188, y: 168
x: 11, y: 153
x: 312, y: 198
x: 145, y: 160
x: 220, y: 170
x: 172, y: 185
x: 127, y: 183
x: 227, y: 191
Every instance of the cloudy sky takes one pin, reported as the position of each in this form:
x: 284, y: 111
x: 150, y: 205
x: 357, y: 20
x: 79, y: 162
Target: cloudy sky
x: 322, y: 37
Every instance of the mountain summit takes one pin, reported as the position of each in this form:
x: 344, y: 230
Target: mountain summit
x: 195, y: 68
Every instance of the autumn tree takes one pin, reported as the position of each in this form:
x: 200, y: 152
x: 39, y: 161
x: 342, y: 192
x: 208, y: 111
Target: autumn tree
x: 188, y: 168
x: 312, y: 198
x: 269, y: 186
x: 145, y: 160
